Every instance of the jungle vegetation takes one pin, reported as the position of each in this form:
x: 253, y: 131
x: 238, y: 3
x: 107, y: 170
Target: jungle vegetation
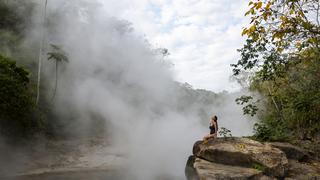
x: 281, y: 60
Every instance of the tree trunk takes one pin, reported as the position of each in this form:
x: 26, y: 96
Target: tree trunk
x: 40, y: 51
x: 275, y: 103
x: 56, y: 83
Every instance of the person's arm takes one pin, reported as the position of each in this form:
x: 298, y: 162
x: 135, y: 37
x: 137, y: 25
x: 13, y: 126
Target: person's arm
x: 216, y: 128
x: 206, y: 137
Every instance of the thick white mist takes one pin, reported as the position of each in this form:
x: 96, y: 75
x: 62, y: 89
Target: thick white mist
x: 113, y: 74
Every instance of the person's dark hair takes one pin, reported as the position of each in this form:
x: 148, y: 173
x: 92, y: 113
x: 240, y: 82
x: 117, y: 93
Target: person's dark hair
x: 215, y: 118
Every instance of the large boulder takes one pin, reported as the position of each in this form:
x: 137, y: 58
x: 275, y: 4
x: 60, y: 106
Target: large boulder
x: 243, y: 152
x: 291, y: 151
x: 190, y: 171
x: 298, y: 170
x: 208, y: 170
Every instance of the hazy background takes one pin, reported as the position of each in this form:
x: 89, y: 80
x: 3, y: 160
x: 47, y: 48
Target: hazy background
x: 202, y: 35
x: 118, y: 86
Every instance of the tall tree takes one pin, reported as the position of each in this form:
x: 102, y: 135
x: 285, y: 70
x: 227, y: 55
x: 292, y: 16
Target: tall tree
x: 41, y: 50
x: 59, y: 56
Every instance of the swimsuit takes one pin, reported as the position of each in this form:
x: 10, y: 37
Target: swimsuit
x: 212, y: 129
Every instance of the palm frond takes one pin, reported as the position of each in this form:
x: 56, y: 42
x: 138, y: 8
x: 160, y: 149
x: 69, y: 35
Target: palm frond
x: 57, y: 54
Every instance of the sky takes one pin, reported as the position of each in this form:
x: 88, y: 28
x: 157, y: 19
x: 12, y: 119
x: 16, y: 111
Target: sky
x: 202, y: 36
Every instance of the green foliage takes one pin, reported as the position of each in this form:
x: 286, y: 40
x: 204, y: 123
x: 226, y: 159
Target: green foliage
x: 293, y: 101
x: 225, y: 132
x: 9, y: 27
x: 250, y: 108
x: 267, y: 132
x: 57, y: 54
x: 19, y: 116
x: 283, y: 51
x: 15, y: 15
x: 258, y: 167
x: 17, y: 111
x: 9, y: 19
x: 285, y: 24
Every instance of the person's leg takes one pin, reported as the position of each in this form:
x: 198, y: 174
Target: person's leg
x: 206, y: 137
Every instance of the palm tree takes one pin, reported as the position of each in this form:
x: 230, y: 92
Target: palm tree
x: 58, y: 55
x: 40, y: 50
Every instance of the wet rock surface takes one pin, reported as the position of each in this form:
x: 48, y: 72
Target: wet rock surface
x: 243, y: 158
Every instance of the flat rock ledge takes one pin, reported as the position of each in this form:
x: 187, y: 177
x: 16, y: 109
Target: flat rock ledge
x: 206, y: 169
x: 243, y: 158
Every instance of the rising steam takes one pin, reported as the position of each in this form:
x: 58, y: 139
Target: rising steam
x: 115, y: 83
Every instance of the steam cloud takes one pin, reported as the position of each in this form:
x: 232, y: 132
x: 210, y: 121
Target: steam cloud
x: 114, y: 79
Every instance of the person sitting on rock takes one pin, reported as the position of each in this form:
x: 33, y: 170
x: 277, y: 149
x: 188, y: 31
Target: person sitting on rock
x: 213, y: 129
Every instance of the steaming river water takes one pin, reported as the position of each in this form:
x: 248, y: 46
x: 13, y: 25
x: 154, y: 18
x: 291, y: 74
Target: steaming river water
x: 88, y: 175
x: 82, y: 175
x: 77, y: 160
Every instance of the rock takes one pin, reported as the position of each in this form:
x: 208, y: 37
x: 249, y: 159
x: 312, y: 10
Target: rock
x: 267, y: 178
x: 196, y: 147
x: 207, y: 170
x: 291, y: 151
x: 242, y: 158
x: 190, y: 171
x: 245, y: 153
x: 297, y: 170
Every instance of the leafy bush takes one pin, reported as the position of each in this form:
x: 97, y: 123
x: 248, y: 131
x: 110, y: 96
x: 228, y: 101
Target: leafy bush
x: 264, y: 132
x: 18, y: 114
x: 258, y: 167
x: 225, y: 132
